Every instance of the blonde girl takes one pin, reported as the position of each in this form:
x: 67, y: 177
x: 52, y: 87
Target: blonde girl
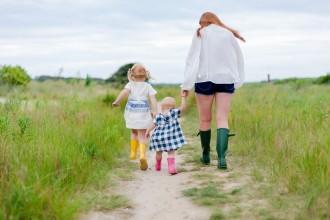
x: 138, y: 114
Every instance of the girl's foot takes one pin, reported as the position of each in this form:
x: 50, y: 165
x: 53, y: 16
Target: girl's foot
x: 143, y: 160
x: 143, y: 164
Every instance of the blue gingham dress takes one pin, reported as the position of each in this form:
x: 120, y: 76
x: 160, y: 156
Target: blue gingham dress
x: 168, y: 135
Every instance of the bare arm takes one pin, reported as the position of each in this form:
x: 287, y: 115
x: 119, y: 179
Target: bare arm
x: 153, y: 105
x: 121, y: 95
x: 150, y: 128
x: 183, y: 104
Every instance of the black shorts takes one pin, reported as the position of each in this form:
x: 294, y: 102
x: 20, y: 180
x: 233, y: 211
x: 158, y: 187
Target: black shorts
x: 209, y: 88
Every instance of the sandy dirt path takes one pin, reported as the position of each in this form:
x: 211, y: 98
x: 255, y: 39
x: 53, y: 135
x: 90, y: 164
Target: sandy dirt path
x: 155, y: 195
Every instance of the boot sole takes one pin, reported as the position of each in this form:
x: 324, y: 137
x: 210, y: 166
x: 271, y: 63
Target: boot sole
x: 203, y: 162
x: 222, y: 165
x: 143, y: 164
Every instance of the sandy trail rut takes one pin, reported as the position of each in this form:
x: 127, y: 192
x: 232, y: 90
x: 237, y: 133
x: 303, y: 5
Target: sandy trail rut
x: 158, y: 195
x: 155, y: 195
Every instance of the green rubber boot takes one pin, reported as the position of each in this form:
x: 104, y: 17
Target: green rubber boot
x: 222, y: 146
x: 205, y: 142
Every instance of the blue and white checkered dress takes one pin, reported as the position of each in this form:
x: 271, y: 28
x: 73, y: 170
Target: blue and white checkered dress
x: 168, y: 135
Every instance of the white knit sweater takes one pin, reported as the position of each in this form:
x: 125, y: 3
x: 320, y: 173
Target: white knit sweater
x: 216, y: 57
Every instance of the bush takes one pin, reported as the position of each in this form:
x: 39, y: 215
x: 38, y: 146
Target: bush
x: 119, y: 78
x: 323, y: 80
x: 88, y: 81
x: 14, y: 75
x: 294, y: 81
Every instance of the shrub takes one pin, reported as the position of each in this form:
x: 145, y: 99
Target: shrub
x: 14, y: 75
x: 119, y: 78
x: 297, y: 83
x: 88, y: 81
x: 323, y: 80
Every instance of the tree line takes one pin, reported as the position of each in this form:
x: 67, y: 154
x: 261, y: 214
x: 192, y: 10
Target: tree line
x: 17, y: 76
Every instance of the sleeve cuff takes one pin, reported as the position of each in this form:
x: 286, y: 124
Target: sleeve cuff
x: 185, y: 87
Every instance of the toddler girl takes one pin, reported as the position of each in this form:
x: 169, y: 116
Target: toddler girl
x: 137, y: 111
x: 168, y: 135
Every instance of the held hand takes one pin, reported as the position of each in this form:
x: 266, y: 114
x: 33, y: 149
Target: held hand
x: 153, y: 114
x: 115, y: 104
x: 147, y: 135
x: 184, y: 93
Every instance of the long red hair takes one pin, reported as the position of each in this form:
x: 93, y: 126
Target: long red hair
x: 208, y: 18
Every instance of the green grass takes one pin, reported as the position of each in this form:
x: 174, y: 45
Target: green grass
x: 286, y: 131
x: 100, y: 201
x: 55, y: 147
x: 217, y: 216
x: 168, y: 90
x: 203, y: 176
x: 282, y: 136
x: 59, y: 141
x: 208, y: 195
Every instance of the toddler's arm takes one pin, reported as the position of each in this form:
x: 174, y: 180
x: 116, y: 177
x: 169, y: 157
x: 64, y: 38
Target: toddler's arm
x: 183, y: 104
x: 151, y: 127
x: 153, y: 102
x: 121, y: 95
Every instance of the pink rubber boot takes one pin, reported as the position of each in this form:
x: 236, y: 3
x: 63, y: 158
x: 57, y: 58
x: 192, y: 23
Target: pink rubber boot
x: 158, y: 164
x: 171, y: 166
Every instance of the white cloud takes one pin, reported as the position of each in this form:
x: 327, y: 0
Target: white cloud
x: 286, y: 45
x: 97, y: 37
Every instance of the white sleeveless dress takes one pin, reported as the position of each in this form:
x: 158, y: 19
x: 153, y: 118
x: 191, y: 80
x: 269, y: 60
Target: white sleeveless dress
x: 137, y: 111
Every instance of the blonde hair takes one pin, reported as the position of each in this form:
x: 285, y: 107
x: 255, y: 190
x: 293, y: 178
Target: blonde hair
x: 168, y: 103
x: 138, y: 72
x: 211, y: 18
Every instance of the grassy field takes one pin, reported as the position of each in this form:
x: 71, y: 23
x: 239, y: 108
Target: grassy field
x: 282, y: 140
x: 60, y: 142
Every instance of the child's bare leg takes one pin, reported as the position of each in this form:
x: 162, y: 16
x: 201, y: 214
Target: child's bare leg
x: 143, y: 149
x: 134, y: 144
x: 141, y: 135
x: 171, y: 154
x: 159, y: 155
x: 134, y: 134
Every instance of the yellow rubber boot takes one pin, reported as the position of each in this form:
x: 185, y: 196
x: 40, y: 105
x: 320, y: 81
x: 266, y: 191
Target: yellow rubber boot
x: 143, y: 159
x: 134, y: 146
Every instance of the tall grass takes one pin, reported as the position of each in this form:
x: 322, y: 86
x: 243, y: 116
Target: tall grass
x: 285, y: 132
x: 168, y: 90
x: 53, y: 147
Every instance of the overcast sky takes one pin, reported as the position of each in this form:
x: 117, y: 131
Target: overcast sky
x: 285, y: 38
